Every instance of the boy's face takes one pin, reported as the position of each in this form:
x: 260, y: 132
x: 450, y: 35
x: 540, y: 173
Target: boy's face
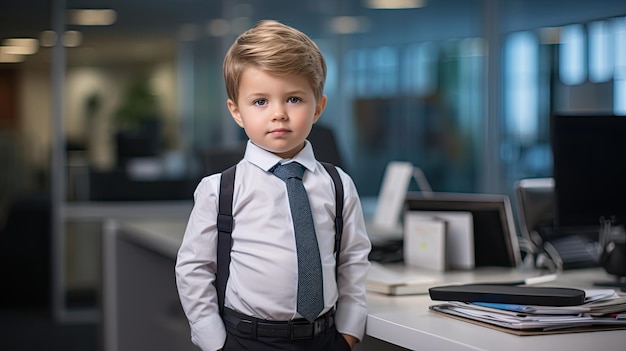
x: 276, y: 112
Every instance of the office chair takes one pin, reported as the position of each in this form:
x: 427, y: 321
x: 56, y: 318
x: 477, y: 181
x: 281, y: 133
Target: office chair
x: 325, y: 145
x: 26, y: 253
x: 215, y: 160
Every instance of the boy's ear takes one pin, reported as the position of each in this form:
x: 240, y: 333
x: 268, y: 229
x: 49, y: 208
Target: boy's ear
x: 319, y: 108
x: 234, y: 112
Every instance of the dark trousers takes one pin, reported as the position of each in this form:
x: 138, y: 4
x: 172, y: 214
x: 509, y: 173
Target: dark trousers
x: 330, y: 340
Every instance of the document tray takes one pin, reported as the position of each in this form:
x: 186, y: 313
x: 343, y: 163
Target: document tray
x: 520, y: 295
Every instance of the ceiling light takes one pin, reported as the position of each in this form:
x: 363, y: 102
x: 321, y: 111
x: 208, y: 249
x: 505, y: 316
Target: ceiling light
x: 72, y: 38
x: 349, y: 25
x: 20, y: 46
x: 10, y: 58
x: 24, y: 42
x: 218, y: 27
x: 240, y: 24
x: 48, y: 38
x: 18, y: 50
x: 394, y: 4
x: 103, y: 17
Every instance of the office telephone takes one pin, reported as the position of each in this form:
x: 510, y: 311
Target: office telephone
x: 570, y: 248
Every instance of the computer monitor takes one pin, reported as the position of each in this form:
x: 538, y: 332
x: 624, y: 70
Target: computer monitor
x: 495, y: 237
x: 589, y: 154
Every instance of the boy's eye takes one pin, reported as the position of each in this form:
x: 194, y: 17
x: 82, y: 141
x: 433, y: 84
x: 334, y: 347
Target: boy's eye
x: 260, y: 102
x: 294, y: 99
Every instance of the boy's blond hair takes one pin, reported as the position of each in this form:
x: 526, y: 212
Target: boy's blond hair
x: 276, y: 49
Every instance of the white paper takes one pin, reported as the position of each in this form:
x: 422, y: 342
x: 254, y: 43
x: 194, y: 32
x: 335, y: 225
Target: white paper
x: 459, y: 238
x: 425, y: 242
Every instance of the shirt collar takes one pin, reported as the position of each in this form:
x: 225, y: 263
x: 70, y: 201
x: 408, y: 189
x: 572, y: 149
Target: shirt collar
x: 266, y: 160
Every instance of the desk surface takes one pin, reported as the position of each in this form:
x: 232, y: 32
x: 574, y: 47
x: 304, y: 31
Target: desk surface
x: 406, y: 321
x: 128, y: 210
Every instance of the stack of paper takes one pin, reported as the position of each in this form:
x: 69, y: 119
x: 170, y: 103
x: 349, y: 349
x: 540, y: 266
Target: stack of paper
x: 602, y: 308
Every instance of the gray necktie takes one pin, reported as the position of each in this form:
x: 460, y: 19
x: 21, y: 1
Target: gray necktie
x: 310, y: 284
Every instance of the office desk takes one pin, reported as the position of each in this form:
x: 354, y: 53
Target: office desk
x: 89, y: 212
x: 141, y: 303
x: 406, y: 321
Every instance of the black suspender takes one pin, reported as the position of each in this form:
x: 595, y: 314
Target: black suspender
x: 225, y: 225
x: 330, y: 168
x: 224, y: 228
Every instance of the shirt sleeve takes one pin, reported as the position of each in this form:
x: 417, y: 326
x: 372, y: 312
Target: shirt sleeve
x: 196, y: 267
x: 351, y: 314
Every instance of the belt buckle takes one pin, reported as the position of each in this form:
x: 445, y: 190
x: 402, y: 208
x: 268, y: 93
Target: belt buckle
x: 319, y: 326
x: 292, y: 328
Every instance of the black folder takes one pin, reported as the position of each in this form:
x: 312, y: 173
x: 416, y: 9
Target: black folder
x: 519, y: 295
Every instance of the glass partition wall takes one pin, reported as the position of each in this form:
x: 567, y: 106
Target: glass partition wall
x: 133, y: 101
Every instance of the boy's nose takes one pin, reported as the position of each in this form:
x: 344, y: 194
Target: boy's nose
x: 280, y: 112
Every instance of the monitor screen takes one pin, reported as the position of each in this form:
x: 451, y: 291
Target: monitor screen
x: 589, y: 154
x: 495, y: 238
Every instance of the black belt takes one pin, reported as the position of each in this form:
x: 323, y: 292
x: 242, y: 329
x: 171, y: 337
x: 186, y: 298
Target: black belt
x: 294, y: 329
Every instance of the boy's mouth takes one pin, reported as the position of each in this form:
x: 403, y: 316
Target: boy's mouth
x: 279, y: 131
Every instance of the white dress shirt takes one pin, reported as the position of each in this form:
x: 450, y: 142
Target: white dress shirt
x: 263, y: 269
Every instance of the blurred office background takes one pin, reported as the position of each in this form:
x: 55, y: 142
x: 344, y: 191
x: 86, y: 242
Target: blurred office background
x: 128, y: 104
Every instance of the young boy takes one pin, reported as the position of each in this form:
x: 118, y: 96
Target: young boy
x: 275, y: 79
